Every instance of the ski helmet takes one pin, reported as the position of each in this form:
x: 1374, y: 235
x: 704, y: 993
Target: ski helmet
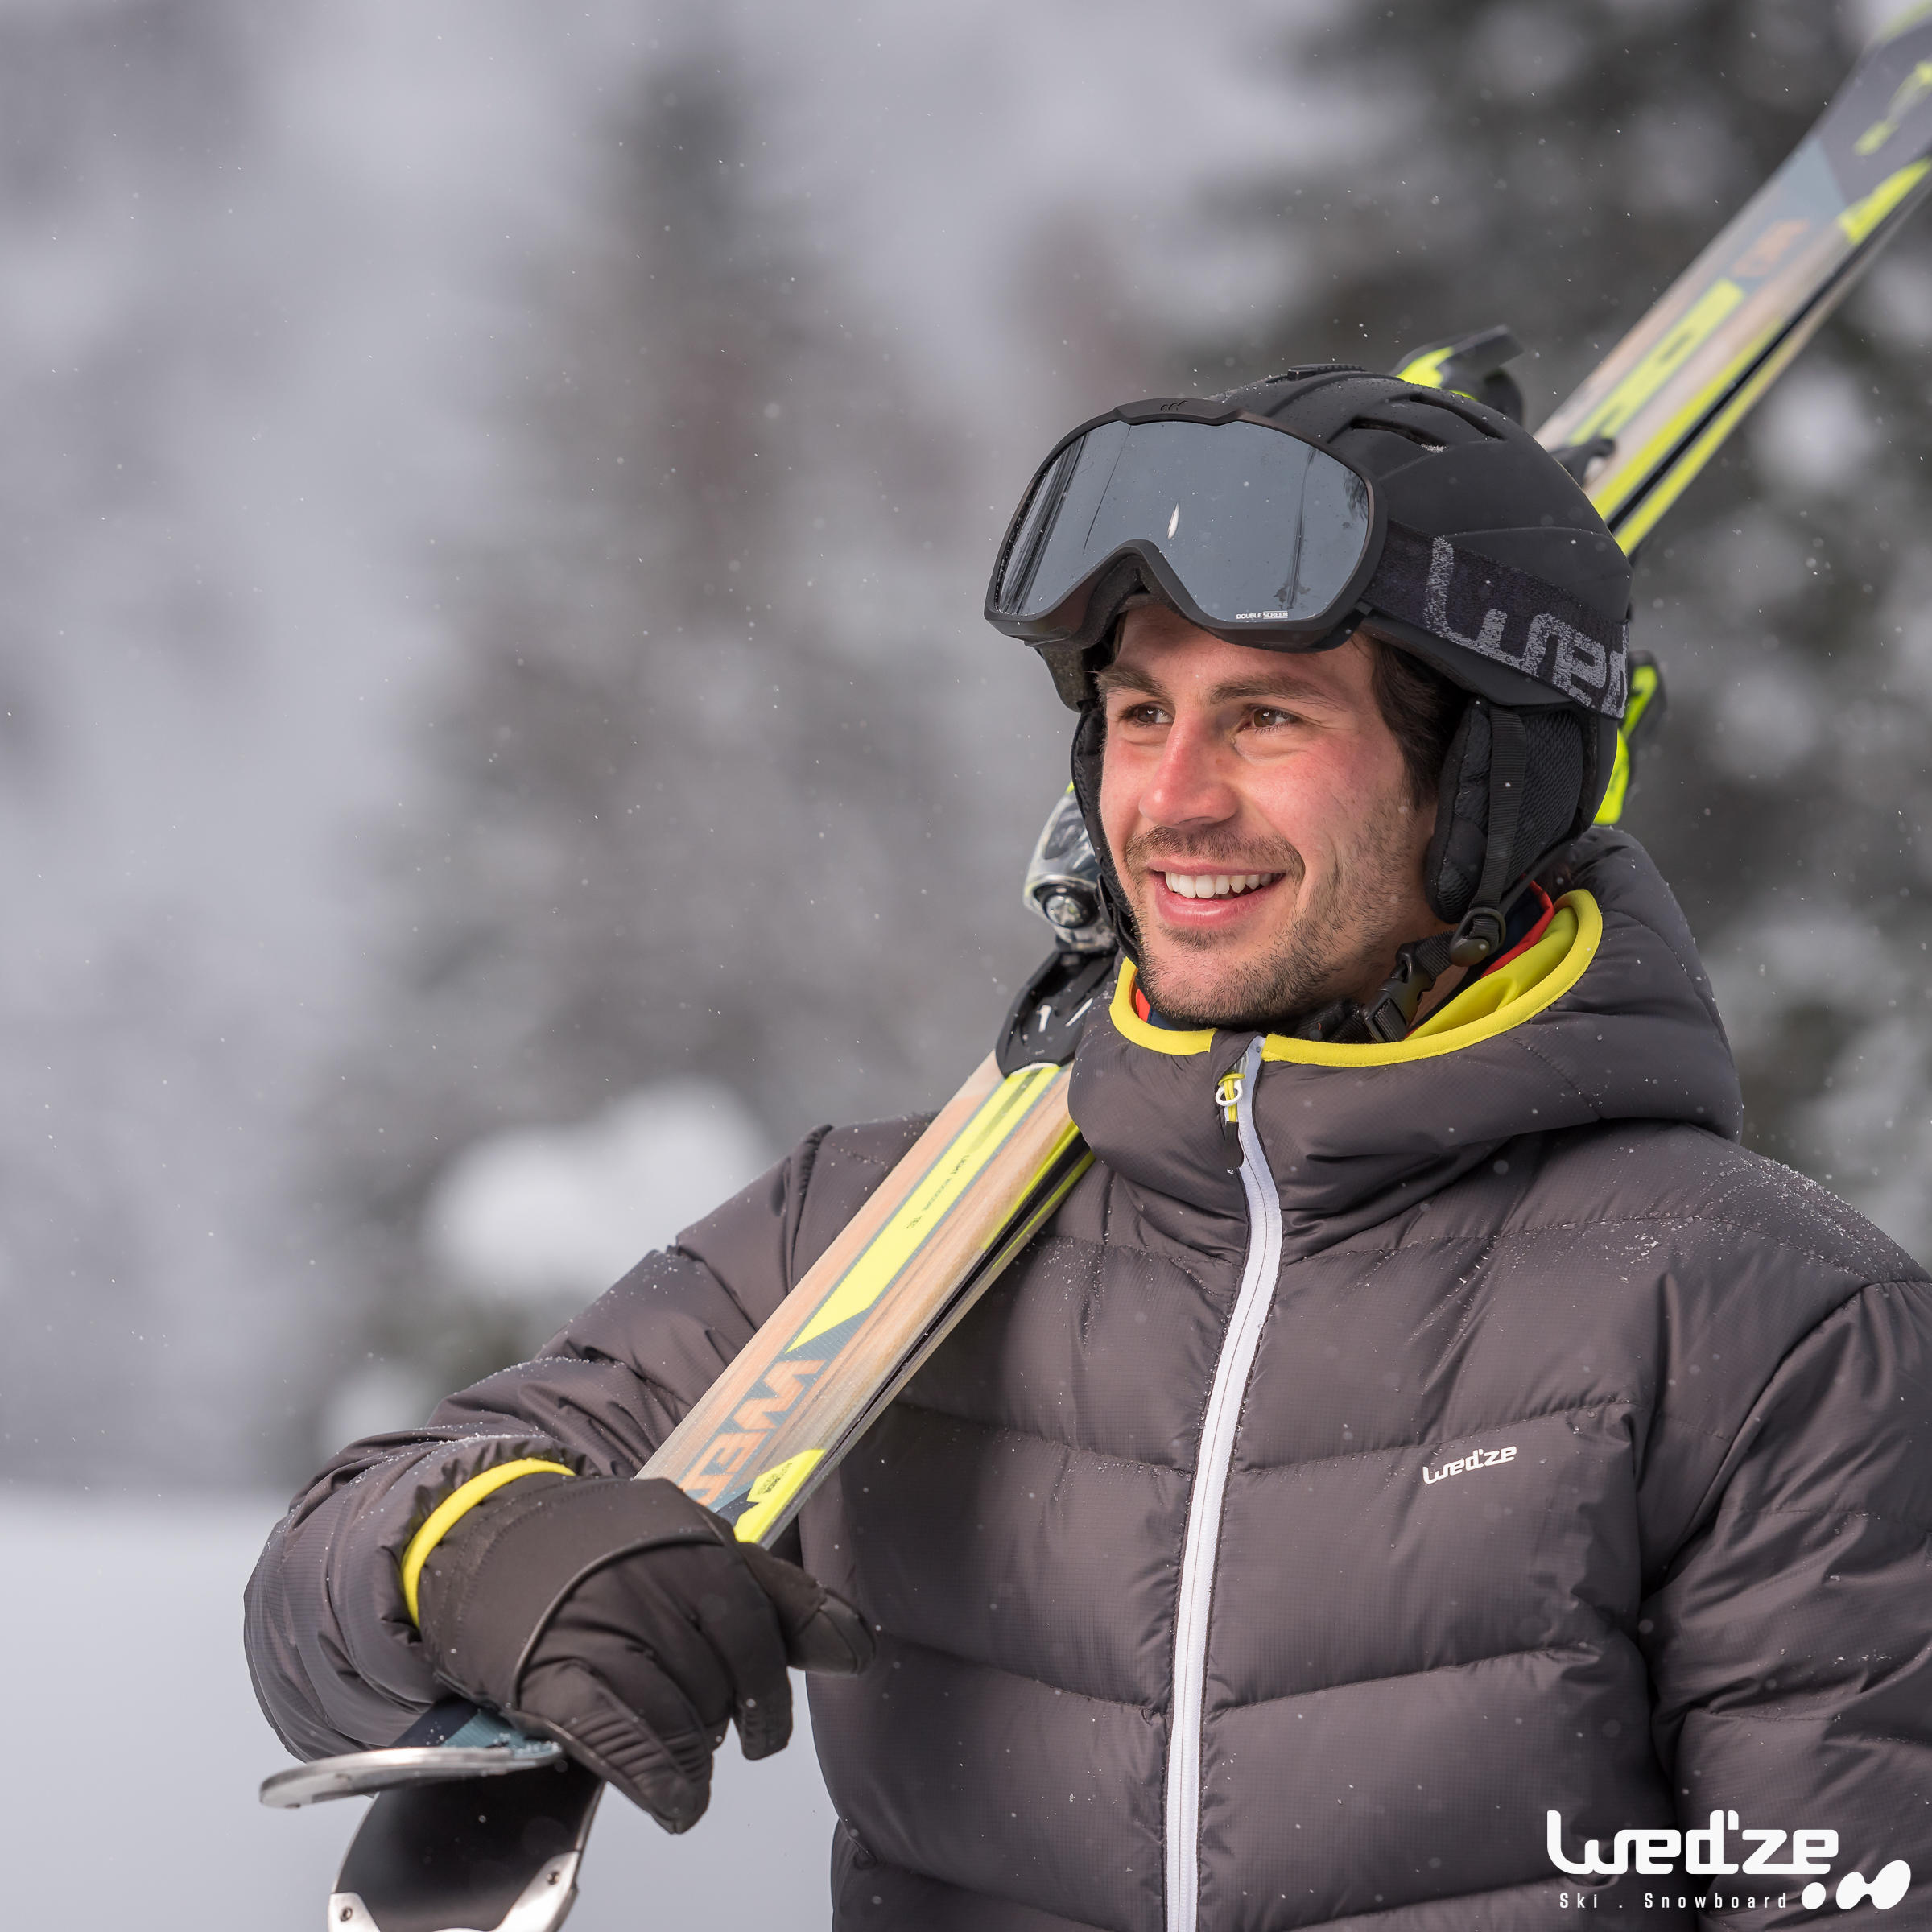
x: 1290, y: 513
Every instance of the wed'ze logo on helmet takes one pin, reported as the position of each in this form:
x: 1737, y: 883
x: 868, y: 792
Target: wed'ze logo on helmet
x: 1551, y: 650
x: 1807, y: 1854
x: 1533, y: 628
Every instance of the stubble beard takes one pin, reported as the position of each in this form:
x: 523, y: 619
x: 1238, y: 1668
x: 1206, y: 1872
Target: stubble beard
x: 1333, y: 943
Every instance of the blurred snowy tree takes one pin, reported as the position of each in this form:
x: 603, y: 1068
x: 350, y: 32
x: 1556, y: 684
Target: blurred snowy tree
x: 1555, y: 169
x: 718, y: 792
x: 130, y: 1065
x: 250, y: 261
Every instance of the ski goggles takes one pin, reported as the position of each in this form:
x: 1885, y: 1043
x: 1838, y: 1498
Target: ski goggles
x: 1253, y: 534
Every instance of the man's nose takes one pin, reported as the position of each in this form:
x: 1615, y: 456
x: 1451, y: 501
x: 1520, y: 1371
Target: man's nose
x: 1190, y: 786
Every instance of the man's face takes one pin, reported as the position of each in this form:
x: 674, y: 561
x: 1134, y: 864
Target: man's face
x: 1259, y: 816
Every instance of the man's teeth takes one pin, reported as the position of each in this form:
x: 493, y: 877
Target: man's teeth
x: 1215, y: 885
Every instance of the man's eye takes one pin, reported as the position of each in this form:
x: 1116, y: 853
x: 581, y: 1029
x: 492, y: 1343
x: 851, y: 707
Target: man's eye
x: 1266, y: 714
x: 1142, y: 714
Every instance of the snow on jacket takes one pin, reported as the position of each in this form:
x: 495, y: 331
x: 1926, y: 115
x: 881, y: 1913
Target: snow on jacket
x: 1582, y: 1470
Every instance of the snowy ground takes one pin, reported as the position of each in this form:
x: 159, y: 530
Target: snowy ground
x: 129, y: 1793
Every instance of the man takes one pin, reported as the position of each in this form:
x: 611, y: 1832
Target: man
x: 1424, y: 1444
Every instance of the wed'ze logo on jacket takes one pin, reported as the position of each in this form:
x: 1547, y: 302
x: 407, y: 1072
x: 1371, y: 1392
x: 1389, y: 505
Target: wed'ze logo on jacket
x: 1480, y: 1459
x: 1654, y: 1853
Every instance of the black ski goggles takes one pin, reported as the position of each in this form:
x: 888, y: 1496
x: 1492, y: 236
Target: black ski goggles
x: 1252, y: 533
x: 1244, y: 525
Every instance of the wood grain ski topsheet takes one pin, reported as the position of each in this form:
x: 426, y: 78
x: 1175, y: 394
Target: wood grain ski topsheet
x: 972, y: 1189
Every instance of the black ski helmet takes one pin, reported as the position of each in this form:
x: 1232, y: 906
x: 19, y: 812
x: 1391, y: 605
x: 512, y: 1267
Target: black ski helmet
x: 1449, y: 467
x: 1445, y: 466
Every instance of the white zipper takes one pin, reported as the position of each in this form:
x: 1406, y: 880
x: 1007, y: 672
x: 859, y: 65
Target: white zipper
x: 1203, y: 1538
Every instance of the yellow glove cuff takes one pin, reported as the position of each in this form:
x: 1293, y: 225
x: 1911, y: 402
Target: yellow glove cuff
x: 451, y: 1510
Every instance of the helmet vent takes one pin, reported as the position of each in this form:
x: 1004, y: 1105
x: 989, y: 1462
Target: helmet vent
x: 1400, y: 429
x: 1300, y: 374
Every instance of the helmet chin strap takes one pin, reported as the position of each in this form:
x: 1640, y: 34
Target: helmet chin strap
x: 1482, y: 930
x: 1480, y: 936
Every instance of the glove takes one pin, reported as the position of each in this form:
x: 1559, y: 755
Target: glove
x: 627, y: 1622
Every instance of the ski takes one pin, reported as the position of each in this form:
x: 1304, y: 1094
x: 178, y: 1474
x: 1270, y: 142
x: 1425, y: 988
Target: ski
x: 1641, y: 428
x: 476, y: 1827
x: 987, y: 1174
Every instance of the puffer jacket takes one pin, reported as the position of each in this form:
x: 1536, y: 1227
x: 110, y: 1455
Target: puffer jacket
x: 1344, y: 1525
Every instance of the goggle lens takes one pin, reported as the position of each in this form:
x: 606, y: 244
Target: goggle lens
x: 1258, y: 527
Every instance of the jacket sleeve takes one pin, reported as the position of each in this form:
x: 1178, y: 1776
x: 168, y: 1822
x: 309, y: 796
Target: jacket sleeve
x: 1791, y: 1643
x: 337, y: 1664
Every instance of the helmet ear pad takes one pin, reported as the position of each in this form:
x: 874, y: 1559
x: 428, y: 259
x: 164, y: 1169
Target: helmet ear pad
x: 1089, y: 757
x: 1562, y: 792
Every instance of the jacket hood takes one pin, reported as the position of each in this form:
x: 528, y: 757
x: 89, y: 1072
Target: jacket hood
x: 1626, y: 1031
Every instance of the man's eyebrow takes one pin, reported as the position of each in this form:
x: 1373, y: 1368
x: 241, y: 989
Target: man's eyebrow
x: 1288, y: 682
x: 1112, y: 678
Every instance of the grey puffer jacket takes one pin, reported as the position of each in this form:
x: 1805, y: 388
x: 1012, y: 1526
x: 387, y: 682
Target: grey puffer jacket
x: 1291, y: 1546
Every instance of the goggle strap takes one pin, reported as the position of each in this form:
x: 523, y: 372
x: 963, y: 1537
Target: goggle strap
x: 1503, y: 614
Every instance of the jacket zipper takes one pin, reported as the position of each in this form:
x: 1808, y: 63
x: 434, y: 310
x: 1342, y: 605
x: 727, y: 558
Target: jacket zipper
x: 1235, y: 1097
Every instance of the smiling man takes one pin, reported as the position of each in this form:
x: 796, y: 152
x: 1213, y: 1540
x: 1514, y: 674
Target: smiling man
x: 1428, y: 1476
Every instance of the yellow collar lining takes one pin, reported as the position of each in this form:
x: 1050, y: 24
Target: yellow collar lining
x: 1495, y: 1003
x: 1129, y: 1025
x: 1499, y: 1000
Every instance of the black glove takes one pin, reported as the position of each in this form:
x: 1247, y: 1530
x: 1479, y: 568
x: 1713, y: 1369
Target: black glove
x: 627, y: 1622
